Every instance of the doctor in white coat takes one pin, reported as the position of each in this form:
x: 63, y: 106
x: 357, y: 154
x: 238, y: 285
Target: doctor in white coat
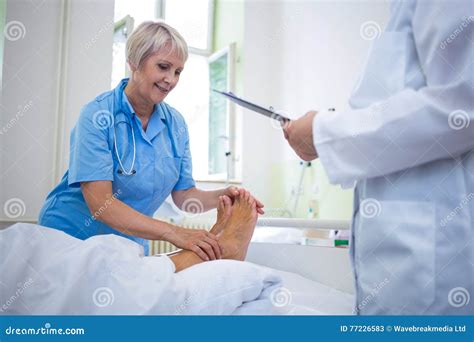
x: 408, y: 147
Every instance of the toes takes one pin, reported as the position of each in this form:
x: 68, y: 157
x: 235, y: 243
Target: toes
x: 252, y: 202
x: 241, y: 196
x: 249, y: 200
x: 227, y: 204
x: 220, y: 204
x: 226, y: 201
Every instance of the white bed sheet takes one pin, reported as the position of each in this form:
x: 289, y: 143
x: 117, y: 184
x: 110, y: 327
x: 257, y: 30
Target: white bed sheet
x: 299, y: 296
x: 45, y: 271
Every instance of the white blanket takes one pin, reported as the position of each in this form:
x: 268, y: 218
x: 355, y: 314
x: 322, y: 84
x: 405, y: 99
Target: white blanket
x: 299, y: 296
x: 46, y: 272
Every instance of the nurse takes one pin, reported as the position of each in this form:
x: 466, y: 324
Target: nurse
x: 408, y: 147
x: 130, y: 150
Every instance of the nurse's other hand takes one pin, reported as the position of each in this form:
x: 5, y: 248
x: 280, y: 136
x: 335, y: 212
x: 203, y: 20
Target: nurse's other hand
x: 233, y: 191
x: 299, y: 134
x: 201, y: 242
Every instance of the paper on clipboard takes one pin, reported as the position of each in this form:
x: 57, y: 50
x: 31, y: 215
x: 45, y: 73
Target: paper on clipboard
x: 254, y: 107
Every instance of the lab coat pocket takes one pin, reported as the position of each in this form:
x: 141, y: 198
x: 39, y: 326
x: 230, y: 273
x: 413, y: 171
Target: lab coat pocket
x: 395, y: 255
x: 171, y: 167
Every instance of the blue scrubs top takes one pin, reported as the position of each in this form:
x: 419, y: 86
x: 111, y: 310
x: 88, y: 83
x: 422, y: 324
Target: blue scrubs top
x: 163, y: 164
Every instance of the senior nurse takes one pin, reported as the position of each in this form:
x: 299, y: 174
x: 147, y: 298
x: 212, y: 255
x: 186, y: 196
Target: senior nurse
x: 130, y: 151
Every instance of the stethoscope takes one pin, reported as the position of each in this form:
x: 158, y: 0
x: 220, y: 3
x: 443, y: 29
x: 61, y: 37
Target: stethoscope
x: 131, y: 171
x: 121, y: 170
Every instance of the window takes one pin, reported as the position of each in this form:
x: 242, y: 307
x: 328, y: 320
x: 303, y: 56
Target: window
x: 194, y: 20
x: 210, y: 119
x: 127, y: 16
x: 221, y: 115
x: 190, y: 98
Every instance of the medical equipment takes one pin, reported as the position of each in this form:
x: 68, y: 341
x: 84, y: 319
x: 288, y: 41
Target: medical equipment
x: 299, y: 190
x: 122, y: 170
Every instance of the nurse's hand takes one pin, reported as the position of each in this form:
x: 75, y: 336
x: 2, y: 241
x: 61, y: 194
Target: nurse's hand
x: 201, y: 242
x: 233, y: 191
x: 299, y: 134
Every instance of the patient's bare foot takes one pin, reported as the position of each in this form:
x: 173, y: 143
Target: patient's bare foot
x: 235, y: 231
x: 239, y: 228
x: 224, y: 211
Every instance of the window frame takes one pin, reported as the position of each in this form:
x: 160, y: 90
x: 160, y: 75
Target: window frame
x: 230, y: 51
x: 127, y: 23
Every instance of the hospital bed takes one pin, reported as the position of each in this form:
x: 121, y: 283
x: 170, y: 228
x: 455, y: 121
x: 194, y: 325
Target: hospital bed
x: 318, y: 278
x: 280, y: 277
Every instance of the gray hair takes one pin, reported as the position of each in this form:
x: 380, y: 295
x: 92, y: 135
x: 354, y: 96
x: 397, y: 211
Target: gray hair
x: 152, y: 36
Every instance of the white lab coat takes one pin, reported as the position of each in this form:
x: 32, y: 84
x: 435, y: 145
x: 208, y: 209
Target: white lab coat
x: 408, y: 145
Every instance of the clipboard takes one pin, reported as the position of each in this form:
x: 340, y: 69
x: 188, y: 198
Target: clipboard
x: 253, y: 107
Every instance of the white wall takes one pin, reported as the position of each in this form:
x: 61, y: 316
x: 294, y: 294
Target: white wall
x: 34, y: 92
x: 89, y: 61
x: 261, y: 63
x: 28, y: 103
x: 298, y: 56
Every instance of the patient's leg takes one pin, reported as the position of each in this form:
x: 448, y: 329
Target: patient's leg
x: 235, y: 236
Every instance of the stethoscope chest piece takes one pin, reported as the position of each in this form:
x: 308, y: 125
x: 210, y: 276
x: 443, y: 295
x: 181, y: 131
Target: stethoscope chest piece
x: 131, y: 173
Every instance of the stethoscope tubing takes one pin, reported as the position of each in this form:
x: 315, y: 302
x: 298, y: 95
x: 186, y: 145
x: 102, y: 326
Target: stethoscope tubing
x: 122, y: 168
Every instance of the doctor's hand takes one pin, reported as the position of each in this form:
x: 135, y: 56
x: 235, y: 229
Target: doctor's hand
x: 201, y: 242
x: 299, y: 134
x: 232, y: 192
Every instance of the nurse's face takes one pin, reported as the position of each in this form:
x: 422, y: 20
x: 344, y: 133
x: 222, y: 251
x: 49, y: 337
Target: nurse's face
x: 158, y: 75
